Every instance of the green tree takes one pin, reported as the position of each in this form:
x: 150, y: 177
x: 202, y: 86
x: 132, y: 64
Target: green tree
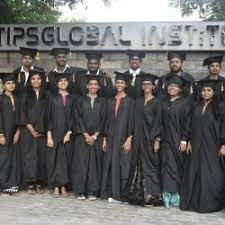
x: 5, y: 12
x: 211, y: 10
x: 36, y: 11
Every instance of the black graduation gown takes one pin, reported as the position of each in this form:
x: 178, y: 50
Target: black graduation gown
x: 163, y: 84
x: 87, y: 160
x: 51, y: 82
x: 33, y: 151
x: 203, y: 186
x: 59, y: 157
x: 174, y: 116
x: 21, y: 87
x: 136, y: 90
x: 117, y: 164
x: 106, y: 86
x: 9, y: 153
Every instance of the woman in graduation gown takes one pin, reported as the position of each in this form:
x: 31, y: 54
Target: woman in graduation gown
x: 117, y: 144
x: 174, y: 115
x: 59, y: 153
x: 9, y: 136
x: 203, y: 186
x: 87, y: 157
x: 33, y: 132
x: 147, y: 136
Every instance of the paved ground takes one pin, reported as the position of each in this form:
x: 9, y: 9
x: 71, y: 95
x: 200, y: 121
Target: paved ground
x: 23, y: 209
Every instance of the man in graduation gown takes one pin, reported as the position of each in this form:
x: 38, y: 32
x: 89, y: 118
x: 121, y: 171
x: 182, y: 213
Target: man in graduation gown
x: 214, y: 68
x: 176, y: 60
x: 134, y: 88
x: 93, y: 68
x: 61, y: 57
x: 27, y: 64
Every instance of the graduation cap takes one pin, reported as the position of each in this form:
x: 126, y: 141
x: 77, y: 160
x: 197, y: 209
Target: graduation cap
x: 39, y: 72
x: 8, y: 77
x: 176, y: 54
x: 57, y: 51
x: 93, y: 55
x: 139, y: 54
x: 208, y: 61
x: 149, y: 77
x: 93, y: 77
x: 122, y: 76
x: 176, y: 79
x: 214, y: 84
x: 59, y: 76
x: 29, y: 51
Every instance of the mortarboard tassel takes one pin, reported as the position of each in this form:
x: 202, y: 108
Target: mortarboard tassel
x: 19, y: 78
x: 222, y: 88
x: 191, y: 89
x: 37, y: 57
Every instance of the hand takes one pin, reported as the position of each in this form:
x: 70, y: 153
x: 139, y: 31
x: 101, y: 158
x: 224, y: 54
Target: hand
x: 182, y: 147
x: 50, y: 142
x: 66, y: 138
x: 2, y: 140
x: 104, y: 145
x: 16, y: 137
x: 35, y: 134
x: 87, y: 138
x: 189, y: 148
x: 156, y: 146
x: 92, y: 140
x: 222, y: 150
x: 127, y: 145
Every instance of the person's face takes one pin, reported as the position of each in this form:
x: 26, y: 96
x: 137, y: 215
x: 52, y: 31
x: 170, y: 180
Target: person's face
x: 35, y: 81
x: 135, y: 62
x: 207, y: 93
x: 174, y: 90
x: 9, y: 86
x: 214, y: 68
x: 93, y: 65
x: 120, y: 85
x: 61, y: 59
x: 27, y: 61
x: 175, y: 65
x: 63, y: 84
x: 147, y: 87
x: 93, y: 86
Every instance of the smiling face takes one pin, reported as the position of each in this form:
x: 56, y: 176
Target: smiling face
x: 207, y: 93
x: 27, y: 61
x: 93, y: 65
x: 135, y: 62
x: 214, y: 68
x: 63, y: 84
x: 93, y: 86
x: 61, y: 60
x: 147, y: 87
x: 120, y: 85
x: 9, y: 86
x: 174, y: 90
x: 36, y: 81
x: 175, y: 65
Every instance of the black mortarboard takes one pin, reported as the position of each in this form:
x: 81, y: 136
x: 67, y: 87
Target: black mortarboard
x: 149, y: 77
x: 121, y: 76
x: 209, y: 83
x: 208, y: 61
x: 93, y: 77
x: 176, y: 79
x: 8, y: 77
x: 59, y: 76
x: 93, y: 55
x: 176, y: 54
x: 33, y: 72
x: 28, y: 51
x: 57, y: 51
x: 140, y: 54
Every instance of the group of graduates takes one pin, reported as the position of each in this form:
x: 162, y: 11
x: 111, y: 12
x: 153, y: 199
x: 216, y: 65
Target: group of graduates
x: 141, y: 139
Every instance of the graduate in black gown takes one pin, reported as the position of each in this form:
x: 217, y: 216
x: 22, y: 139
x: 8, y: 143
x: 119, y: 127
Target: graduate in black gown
x: 93, y: 68
x: 9, y: 136
x: 203, y: 186
x: 27, y: 64
x: 87, y: 157
x: 134, y: 88
x: 118, y: 142
x: 176, y: 59
x: 174, y: 116
x: 33, y: 109
x: 59, y: 121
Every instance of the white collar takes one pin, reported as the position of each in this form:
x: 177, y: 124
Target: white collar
x: 137, y: 71
x: 23, y: 70
x: 56, y: 70
x: 98, y: 71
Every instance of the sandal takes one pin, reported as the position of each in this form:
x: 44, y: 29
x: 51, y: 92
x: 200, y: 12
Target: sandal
x: 39, y: 190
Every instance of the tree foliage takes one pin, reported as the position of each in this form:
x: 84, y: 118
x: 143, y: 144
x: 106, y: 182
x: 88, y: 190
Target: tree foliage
x: 212, y: 10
